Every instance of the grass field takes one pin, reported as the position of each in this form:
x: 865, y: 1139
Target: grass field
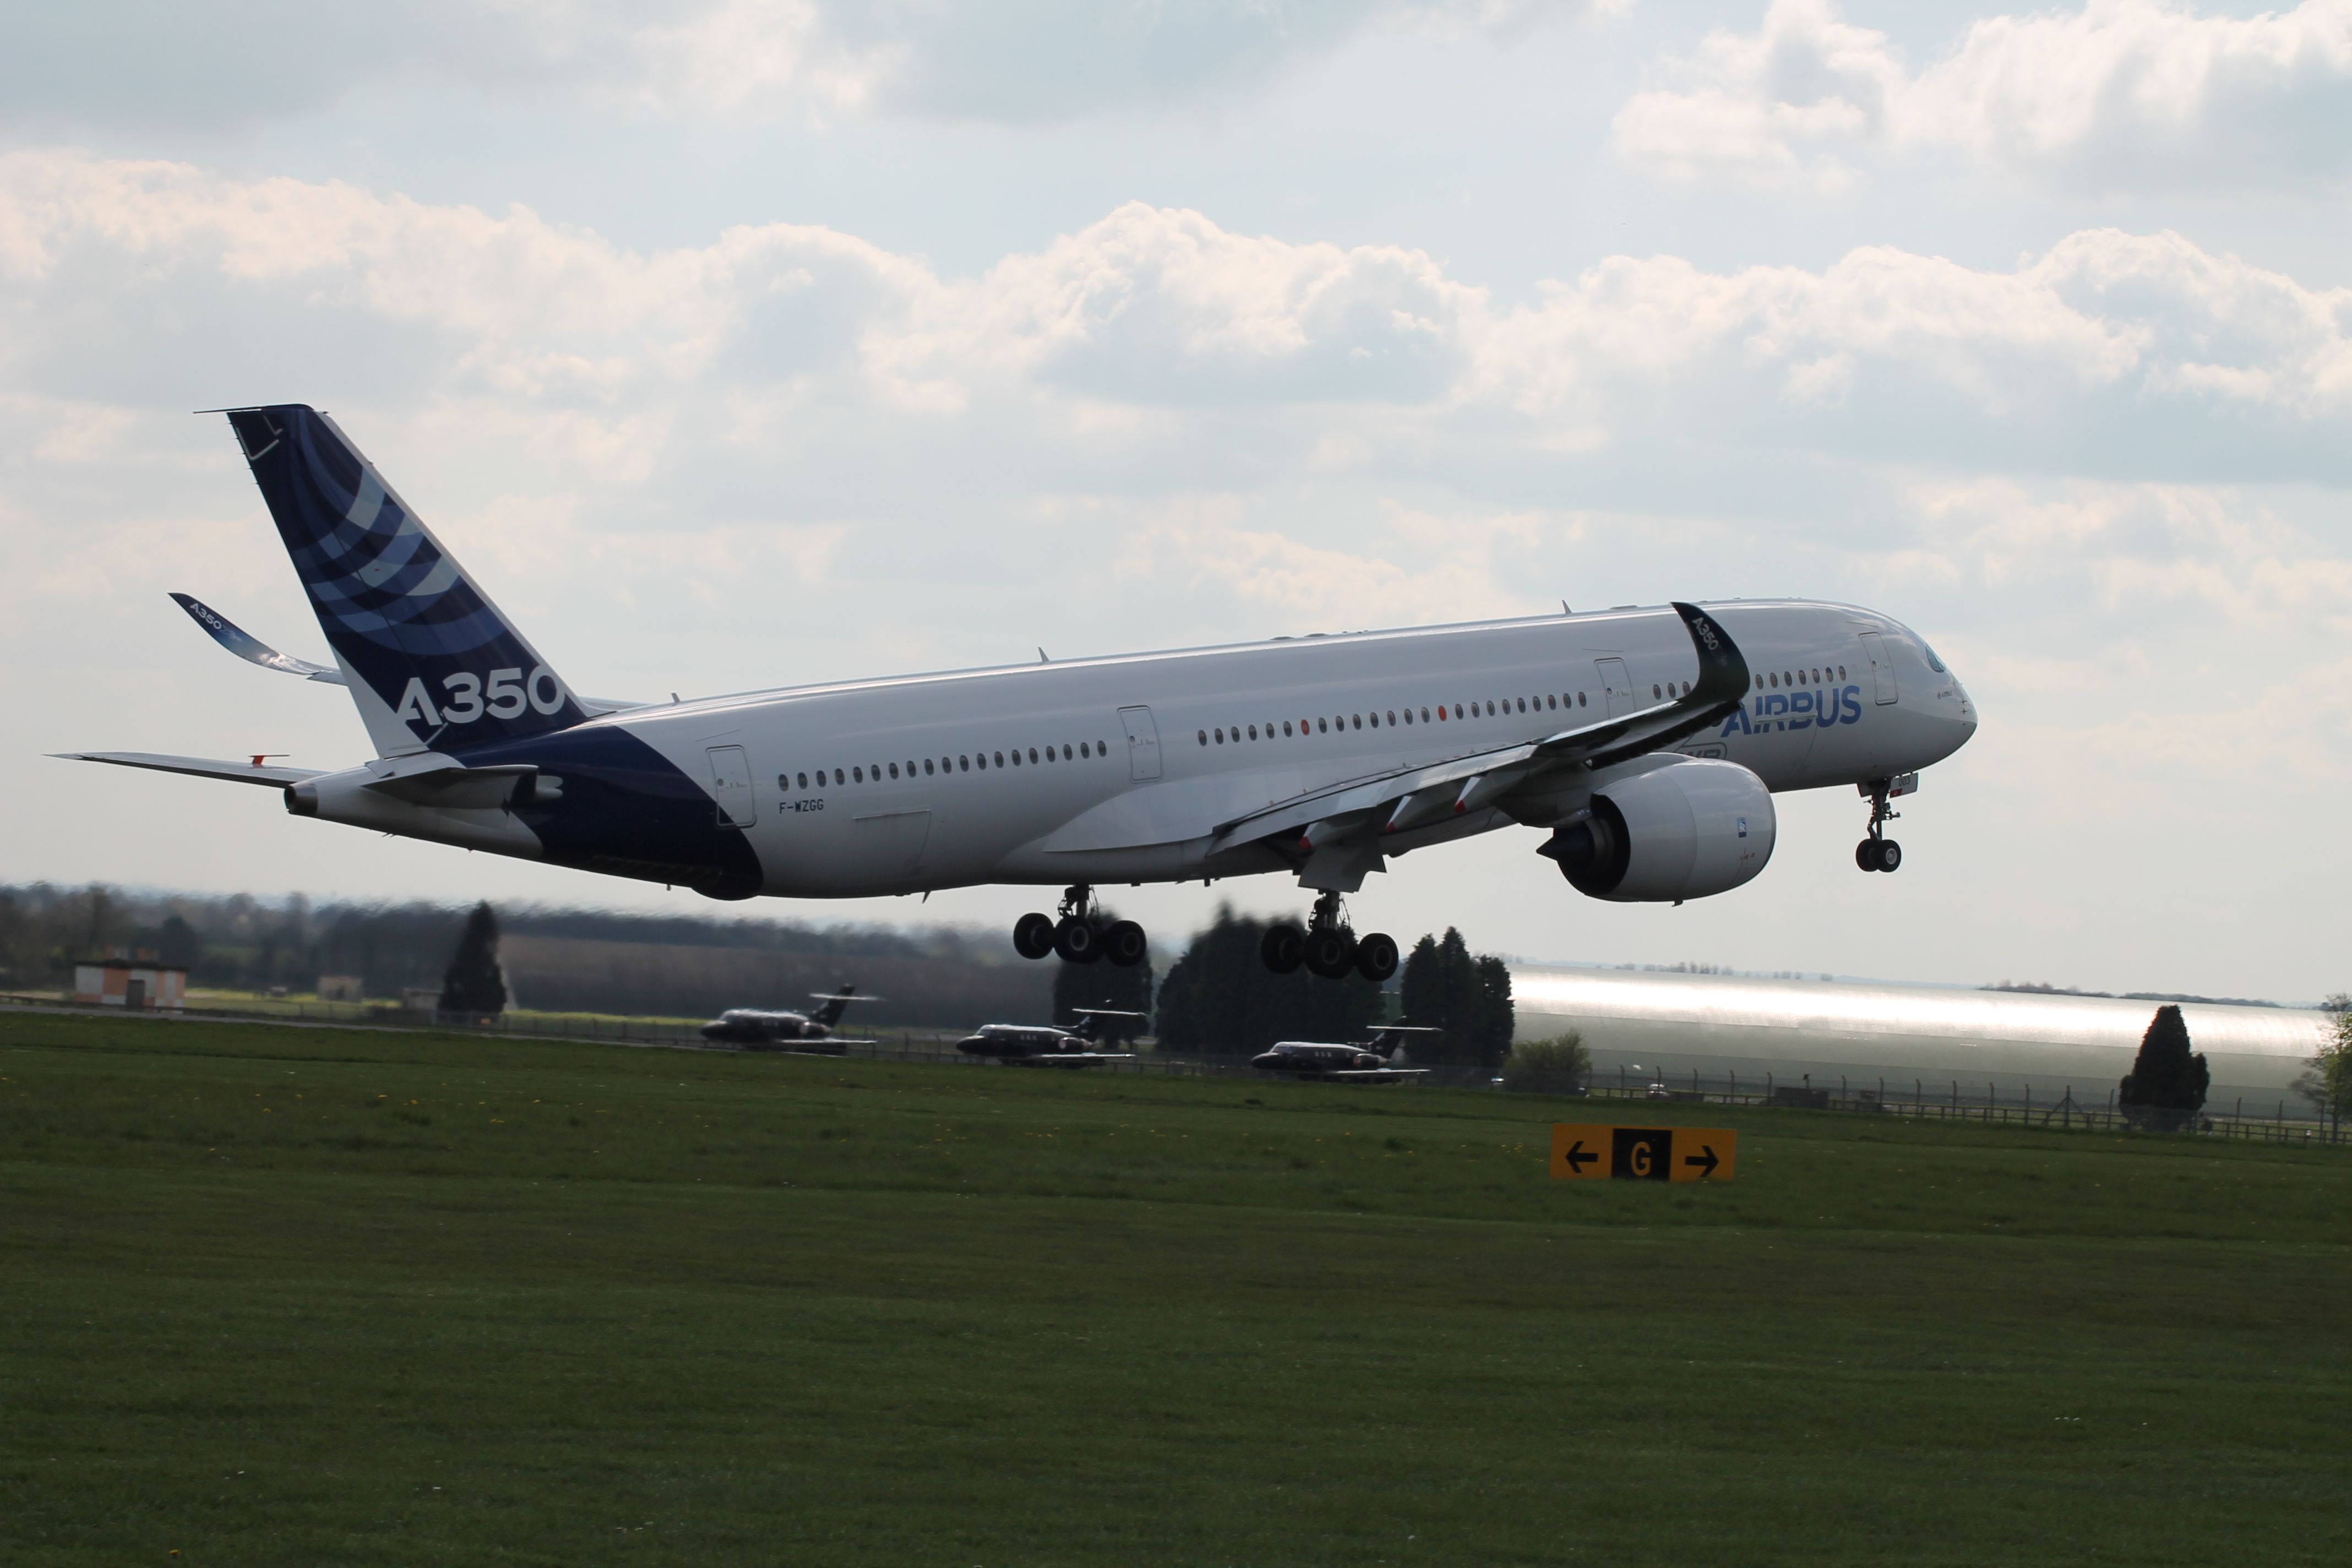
x: 271, y: 1295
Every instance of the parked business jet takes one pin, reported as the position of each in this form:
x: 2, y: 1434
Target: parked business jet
x: 1374, y: 1061
x: 1049, y: 1045
x: 755, y: 1026
x: 1648, y: 744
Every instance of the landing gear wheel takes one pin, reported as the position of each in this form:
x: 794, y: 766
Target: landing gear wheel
x: 1283, y: 949
x: 1125, y: 944
x: 1330, y: 953
x: 1376, y: 956
x: 1078, y: 941
x: 1878, y: 852
x: 1033, y: 936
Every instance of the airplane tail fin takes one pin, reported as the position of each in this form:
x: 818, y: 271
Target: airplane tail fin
x: 834, y: 1006
x: 431, y: 662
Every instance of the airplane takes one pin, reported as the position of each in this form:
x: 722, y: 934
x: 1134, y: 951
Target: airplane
x: 1048, y: 1045
x: 1374, y: 1061
x: 750, y: 1027
x: 1645, y: 743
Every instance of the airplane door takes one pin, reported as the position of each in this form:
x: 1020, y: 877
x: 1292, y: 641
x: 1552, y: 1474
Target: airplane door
x: 1882, y: 670
x: 1616, y: 686
x: 730, y: 786
x: 1142, y: 744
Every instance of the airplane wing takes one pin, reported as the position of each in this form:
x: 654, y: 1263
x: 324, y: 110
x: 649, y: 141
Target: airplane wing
x: 250, y: 648
x: 253, y: 650
x: 201, y: 767
x: 1414, y: 797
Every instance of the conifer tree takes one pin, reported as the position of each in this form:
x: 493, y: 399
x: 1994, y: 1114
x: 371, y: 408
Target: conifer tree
x: 475, y: 986
x: 2168, y: 1082
x: 1467, y: 999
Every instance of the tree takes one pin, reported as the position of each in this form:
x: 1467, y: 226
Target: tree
x: 178, y: 942
x: 2166, y: 1084
x: 473, y: 985
x: 1493, y: 1018
x: 2328, y: 1081
x: 1220, y: 999
x: 1077, y: 985
x: 1558, y: 1066
x: 1466, y: 999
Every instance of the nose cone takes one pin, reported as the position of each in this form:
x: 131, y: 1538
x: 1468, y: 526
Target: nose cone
x: 1963, y: 716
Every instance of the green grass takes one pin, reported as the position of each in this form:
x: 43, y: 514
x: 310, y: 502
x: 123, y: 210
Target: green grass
x: 278, y: 1296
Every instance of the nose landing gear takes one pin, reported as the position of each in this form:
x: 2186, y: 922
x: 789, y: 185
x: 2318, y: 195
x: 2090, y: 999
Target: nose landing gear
x: 1328, y: 946
x: 1078, y: 935
x: 1878, y: 852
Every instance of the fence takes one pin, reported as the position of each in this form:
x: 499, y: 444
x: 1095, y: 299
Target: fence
x: 1953, y: 1101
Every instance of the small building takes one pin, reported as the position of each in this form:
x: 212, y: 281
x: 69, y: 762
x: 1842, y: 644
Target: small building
x: 124, y: 981
x: 422, y: 1002
x: 341, y: 988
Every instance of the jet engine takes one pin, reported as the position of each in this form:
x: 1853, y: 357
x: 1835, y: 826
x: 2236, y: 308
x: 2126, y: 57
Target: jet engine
x: 1692, y: 827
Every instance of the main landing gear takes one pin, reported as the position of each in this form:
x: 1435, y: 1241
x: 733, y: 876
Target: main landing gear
x: 1878, y: 852
x: 1078, y: 935
x: 1329, y: 947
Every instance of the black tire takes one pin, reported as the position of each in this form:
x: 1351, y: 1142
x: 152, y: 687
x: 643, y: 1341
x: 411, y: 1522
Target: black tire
x: 1077, y: 941
x: 1125, y: 944
x: 1033, y: 936
x: 1890, y: 854
x: 1330, y: 953
x: 1865, y: 854
x: 1284, y: 948
x: 1376, y: 956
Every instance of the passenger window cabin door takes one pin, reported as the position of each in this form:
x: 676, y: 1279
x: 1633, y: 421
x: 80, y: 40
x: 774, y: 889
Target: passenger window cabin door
x: 1142, y: 744
x: 730, y: 786
x: 1882, y: 669
x: 1616, y: 686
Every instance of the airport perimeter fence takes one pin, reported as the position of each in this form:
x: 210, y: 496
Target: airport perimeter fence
x: 1948, y: 1100
x: 2288, y: 1120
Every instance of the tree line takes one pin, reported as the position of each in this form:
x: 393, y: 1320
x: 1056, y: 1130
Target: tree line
x: 1220, y: 999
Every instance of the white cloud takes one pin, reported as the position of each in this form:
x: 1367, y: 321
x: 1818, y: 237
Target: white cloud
x: 2121, y: 91
x: 1152, y: 333
x: 210, y: 62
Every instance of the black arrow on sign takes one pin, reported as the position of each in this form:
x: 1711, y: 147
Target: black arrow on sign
x: 1579, y: 1157
x: 1707, y: 1166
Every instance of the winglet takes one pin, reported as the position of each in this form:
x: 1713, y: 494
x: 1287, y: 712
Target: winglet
x: 1722, y: 669
x: 247, y: 647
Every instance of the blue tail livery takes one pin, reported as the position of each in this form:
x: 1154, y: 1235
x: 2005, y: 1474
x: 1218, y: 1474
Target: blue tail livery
x: 432, y: 663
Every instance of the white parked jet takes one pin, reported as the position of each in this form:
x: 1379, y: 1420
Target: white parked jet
x: 1647, y: 743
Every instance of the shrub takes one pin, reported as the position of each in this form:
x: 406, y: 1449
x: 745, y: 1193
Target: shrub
x: 1557, y: 1065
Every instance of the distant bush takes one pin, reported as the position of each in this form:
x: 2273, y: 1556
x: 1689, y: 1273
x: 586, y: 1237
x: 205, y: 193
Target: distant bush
x: 1558, y: 1066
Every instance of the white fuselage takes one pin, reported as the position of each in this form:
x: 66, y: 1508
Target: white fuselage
x: 1122, y: 768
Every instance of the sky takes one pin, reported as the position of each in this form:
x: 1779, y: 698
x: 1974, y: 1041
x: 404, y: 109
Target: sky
x: 736, y: 345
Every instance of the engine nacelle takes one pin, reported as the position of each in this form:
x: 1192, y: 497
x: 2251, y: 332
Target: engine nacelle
x: 1690, y: 828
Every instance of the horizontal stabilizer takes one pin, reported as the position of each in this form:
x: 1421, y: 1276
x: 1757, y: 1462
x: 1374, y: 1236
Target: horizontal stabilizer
x: 202, y: 767
x: 247, y: 647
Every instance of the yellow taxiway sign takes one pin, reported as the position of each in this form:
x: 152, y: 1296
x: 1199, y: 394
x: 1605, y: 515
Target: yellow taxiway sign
x: 1585, y: 1152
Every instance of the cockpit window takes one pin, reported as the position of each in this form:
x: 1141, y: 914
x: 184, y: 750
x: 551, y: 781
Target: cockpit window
x: 1933, y: 662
